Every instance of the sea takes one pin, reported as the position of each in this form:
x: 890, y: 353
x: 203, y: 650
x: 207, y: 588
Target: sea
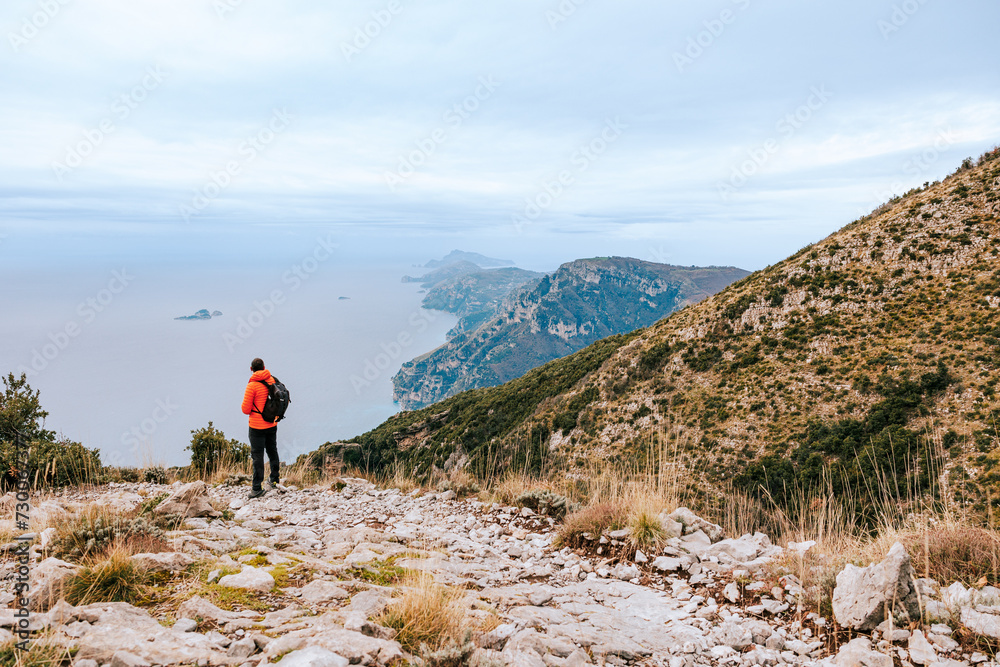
x: 98, y: 338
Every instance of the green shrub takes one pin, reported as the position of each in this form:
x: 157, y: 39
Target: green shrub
x: 120, y: 474
x: 50, y: 462
x: 210, y: 449
x: 155, y: 475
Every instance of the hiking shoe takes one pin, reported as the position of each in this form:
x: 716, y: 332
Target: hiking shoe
x: 256, y: 494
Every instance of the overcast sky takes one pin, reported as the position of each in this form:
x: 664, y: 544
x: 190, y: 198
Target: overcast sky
x: 726, y: 131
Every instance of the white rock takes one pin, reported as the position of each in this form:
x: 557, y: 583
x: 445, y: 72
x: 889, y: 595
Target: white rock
x: 242, y: 648
x: 858, y: 653
x: 921, y: 651
x: 313, y: 656
x: 320, y: 591
x: 250, y: 579
x: 732, y: 592
x: 48, y: 579
x: 862, y: 594
x: 981, y: 622
x: 126, y: 659
x: 190, y: 500
x: 667, y: 564
x: 186, y: 625
x: 168, y: 561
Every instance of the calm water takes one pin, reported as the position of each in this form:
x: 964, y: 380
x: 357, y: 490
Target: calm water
x: 117, y: 372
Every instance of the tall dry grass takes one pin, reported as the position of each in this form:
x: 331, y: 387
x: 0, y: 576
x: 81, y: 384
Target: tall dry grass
x: 427, y: 616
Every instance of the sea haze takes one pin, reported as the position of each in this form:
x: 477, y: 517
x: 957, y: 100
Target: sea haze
x: 116, y: 371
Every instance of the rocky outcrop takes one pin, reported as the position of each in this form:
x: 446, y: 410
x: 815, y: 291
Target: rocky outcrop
x: 864, y: 595
x: 190, y: 500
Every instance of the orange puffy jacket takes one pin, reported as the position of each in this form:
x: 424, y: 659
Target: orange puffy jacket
x: 254, y: 398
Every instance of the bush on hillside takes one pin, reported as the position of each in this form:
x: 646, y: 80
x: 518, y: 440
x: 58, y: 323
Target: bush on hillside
x: 155, y: 475
x: 50, y: 462
x: 210, y: 450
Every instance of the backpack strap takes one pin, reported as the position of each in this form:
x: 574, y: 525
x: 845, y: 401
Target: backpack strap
x: 253, y: 407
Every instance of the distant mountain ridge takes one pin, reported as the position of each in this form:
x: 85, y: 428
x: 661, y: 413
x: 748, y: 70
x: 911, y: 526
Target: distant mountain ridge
x: 550, y: 317
x: 481, y: 261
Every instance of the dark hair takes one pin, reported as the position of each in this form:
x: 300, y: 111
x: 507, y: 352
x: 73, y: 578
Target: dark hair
x: 257, y: 365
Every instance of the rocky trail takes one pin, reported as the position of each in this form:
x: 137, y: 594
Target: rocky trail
x: 311, y: 570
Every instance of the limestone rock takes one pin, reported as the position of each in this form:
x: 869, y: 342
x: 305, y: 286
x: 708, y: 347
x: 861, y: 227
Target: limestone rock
x: 48, y: 579
x: 118, y: 626
x: 320, y: 591
x: 983, y: 621
x: 692, y: 523
x: 250, y: 579
x: 126, y: 659
x: 863, y: 593
x: 168, y: 561
x: 734, y: 635
x: 921, y: 651
x: 858, y: 653
x: 313, y: 656
x: 199, y: 607
x: 190, y: 500
x: 242, y: 648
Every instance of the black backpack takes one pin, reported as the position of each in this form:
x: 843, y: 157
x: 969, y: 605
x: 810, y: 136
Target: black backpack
x: 276, y: 403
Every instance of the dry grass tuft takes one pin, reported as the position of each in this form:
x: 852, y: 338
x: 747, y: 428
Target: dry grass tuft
x: 114, y: 578
x: 42, y: 652
x: 956, y: 552
x: 427, y: 616
x: 590, y: 521
x: 643, y: 520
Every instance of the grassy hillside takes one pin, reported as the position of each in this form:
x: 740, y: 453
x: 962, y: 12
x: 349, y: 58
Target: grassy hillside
x: 870, y: 355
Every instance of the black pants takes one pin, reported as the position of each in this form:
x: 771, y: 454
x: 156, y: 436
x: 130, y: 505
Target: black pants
x: 264, y: 440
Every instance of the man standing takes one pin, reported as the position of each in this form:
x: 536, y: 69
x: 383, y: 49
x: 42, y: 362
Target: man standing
x: 263, y: 434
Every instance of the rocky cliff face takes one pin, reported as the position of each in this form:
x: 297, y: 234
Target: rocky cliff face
x: 581, y: 303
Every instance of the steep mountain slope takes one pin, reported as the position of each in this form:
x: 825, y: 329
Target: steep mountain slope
x: 873, y: 352
x: 582, y: 302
